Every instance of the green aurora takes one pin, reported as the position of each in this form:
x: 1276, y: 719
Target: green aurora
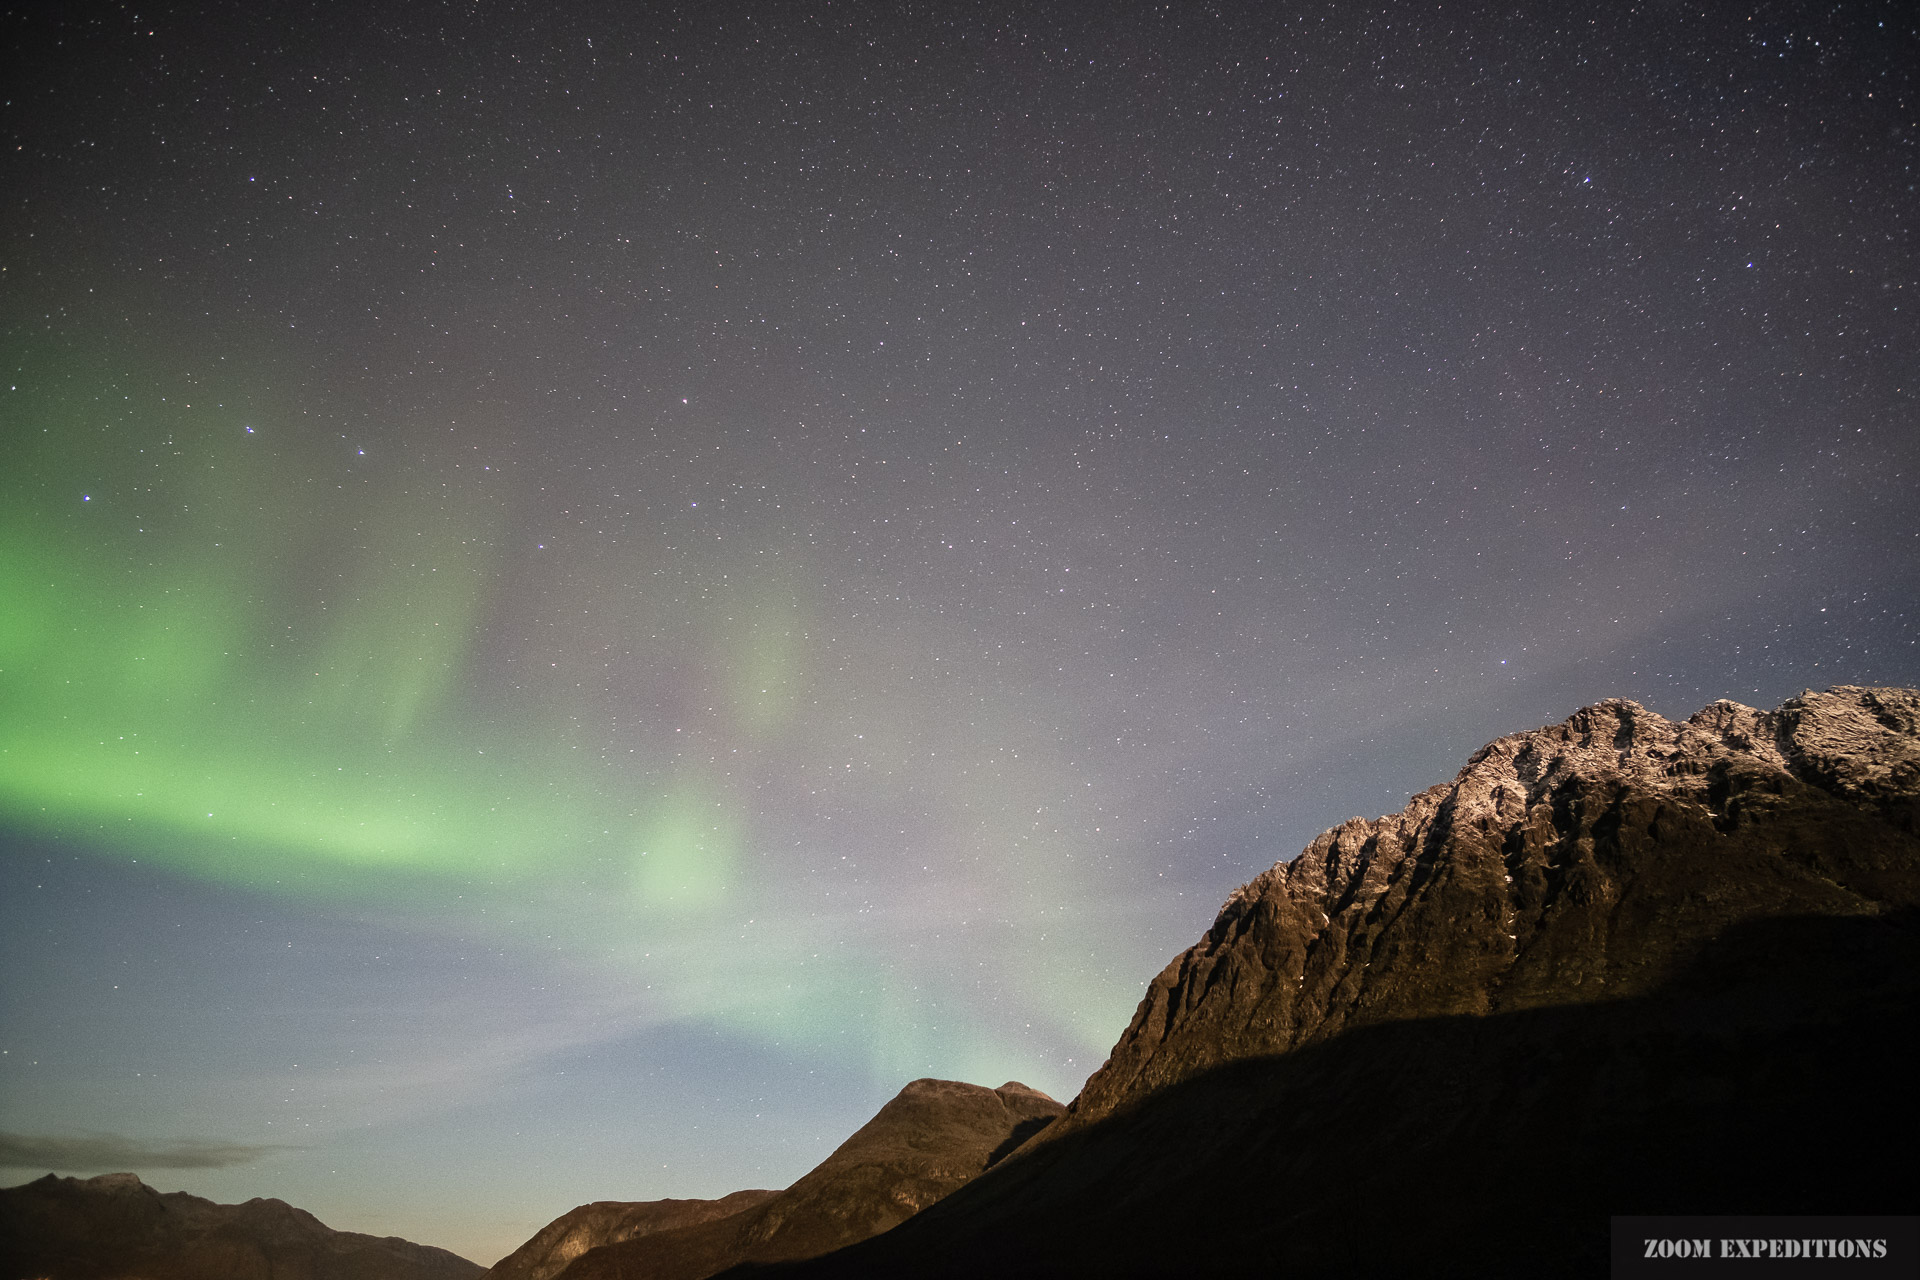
x: 192, y: 666
x: 258, y: 651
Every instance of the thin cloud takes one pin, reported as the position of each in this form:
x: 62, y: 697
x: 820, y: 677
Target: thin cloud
x: 108, y: 1152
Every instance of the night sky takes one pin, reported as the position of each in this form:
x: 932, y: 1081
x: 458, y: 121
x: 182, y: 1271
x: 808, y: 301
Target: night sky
x: 587, y: 590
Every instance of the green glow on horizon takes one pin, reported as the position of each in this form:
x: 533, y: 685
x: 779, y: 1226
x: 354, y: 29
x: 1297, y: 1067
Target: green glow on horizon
x: 143, y: 719
x: 252, y: 657
x: 209, y: 652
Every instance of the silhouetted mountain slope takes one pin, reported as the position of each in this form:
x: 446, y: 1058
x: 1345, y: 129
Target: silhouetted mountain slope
x: 933, y: 1137
x: 1619, y: 965
x: 610, y: 1222
x: 115, y: 1226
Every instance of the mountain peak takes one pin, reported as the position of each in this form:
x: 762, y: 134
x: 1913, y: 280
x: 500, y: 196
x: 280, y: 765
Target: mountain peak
x: 1558, y: 865
x: 929, y: 1139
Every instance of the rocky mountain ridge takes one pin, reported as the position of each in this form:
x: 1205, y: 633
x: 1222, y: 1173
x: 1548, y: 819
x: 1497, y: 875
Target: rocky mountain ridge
x: 1494, y: 885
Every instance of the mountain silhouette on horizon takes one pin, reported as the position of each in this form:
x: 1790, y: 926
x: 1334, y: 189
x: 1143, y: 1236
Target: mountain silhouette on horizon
x: 116, y: 1227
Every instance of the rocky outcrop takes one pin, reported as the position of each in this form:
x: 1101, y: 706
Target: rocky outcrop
x: 1619, y: 965
x: 1580, y: 862
x: 610, y: 1222
x: 116, y: 1226
x: 932, y: 1138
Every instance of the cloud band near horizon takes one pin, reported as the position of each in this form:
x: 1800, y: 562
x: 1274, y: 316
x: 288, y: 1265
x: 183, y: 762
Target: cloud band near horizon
x: 111, y: 1152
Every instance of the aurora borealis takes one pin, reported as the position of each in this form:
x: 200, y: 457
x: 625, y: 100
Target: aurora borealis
x: 586, y: 591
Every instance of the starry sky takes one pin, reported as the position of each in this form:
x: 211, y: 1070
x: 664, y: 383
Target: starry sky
x: 588, y: 589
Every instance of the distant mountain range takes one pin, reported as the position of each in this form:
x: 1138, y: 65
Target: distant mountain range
x: 115, y: 1227
x: 1619, y: 965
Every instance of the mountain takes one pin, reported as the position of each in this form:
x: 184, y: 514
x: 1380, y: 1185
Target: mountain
x: 610, y: 1222
x: 1618, y: 966
x: 933, y: 1137
x: 116, y: 1226
x: 1572, y: 863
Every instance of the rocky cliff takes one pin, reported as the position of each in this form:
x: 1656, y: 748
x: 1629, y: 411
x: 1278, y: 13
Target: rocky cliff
x: 1574, y: 863
x: 116, y: 1226
x: 1618, y: 965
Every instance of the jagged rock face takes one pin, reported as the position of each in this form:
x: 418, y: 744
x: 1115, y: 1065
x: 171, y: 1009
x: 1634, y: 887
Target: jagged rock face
x: 1579, y: 862
x: 932, y: 1138
x: 1618, y: 966
x: 610, y: 1222
x: 116, y: 1226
